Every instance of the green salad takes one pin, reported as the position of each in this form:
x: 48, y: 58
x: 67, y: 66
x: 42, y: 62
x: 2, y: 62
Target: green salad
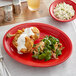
x: 48, y: 48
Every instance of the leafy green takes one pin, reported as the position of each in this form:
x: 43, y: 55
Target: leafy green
x: 53, y: 47
x: 50, y: 42
x: 54, y: 40
x: 48, y: 46
x: 47, y: 58
x: 58, y: 52
x: 39, y: 50
x: 35, y: 56
x: 50, y: 37
x: 42, y: 56
x: 46, y: 55
x: 34, y: 45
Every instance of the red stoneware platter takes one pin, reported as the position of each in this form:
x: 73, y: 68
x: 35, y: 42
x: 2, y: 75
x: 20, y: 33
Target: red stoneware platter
x: 45, y: 29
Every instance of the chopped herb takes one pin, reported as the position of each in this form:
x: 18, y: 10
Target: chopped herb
x: 34, y: 45
x: 35, y: 56
x: 58, y: 52
x: 39, y: 48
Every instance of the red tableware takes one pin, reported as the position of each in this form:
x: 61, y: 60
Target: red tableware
x: 53, y: 5
x: 45, y: 29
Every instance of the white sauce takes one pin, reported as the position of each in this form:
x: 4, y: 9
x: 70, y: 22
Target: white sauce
x: 21, y: 39
x: 28, y: 31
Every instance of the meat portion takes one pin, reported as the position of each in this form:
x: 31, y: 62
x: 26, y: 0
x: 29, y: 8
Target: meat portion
x: 36, y: 33
x: 29, y: 44
x: 16, y: 35
x: 29, y: 36
x: 41, y: 45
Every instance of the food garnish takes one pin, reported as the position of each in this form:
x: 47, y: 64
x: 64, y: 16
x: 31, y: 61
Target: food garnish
x: 49, y: 48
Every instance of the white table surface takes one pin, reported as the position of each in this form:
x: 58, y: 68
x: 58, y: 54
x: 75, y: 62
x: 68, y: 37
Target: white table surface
x: 68, y: 68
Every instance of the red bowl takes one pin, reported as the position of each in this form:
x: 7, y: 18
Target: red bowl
x: 45, y: 29
x: 53, y: 5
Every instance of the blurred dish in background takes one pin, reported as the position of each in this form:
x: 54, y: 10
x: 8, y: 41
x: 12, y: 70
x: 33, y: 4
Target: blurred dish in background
x: 64, y: 11
x: 33, y: 5
x: 57, y: 2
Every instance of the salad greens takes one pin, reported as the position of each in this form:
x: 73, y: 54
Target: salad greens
x: 51, y: 49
